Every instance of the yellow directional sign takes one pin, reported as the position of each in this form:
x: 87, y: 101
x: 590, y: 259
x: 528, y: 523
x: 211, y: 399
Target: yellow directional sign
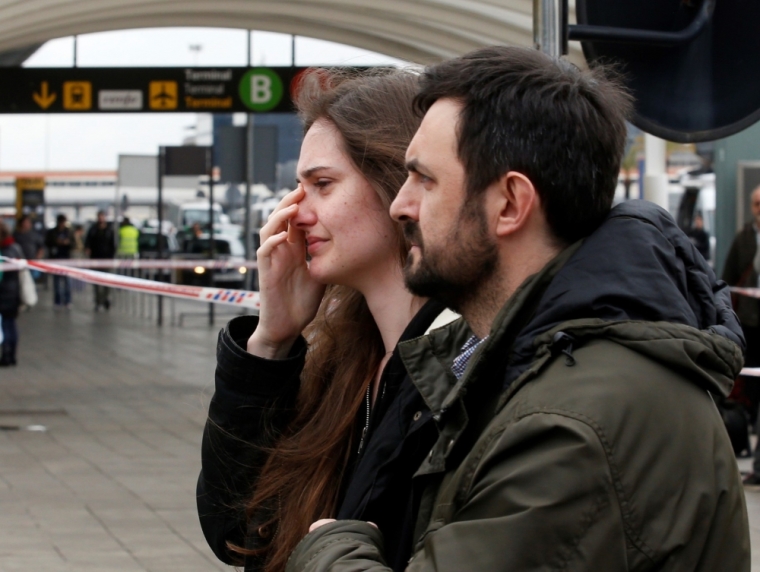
x: 77, y: 95
x: 162, y: 95
x: 44, y: 98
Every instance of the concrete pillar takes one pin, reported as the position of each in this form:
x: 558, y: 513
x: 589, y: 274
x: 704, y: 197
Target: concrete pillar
x: 656, y: 176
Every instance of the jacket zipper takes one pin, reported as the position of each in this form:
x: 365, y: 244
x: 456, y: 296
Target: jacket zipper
x: 366, y: 421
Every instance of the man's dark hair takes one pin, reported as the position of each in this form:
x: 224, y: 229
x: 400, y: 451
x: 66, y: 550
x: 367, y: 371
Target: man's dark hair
x: 562, y: 127
x: 60, y: 218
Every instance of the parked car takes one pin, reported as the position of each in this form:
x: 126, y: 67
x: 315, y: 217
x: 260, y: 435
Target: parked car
x: 226, y: 247
x: 147, y: 243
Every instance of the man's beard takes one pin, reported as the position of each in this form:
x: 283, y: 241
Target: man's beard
x: 454, y: 271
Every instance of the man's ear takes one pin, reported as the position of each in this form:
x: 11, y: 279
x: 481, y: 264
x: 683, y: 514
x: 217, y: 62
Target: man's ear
x: 517, y: 199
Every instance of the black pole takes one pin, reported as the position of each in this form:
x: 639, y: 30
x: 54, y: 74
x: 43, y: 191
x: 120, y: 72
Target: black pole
x: 247, y: 229
x: 159, y: 242
x: 211, y: 249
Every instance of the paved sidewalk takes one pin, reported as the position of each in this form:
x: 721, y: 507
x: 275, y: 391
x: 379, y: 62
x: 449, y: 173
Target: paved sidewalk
x: 109, y: 486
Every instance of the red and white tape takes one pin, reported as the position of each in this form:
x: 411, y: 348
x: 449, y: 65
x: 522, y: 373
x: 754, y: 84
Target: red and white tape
x: 240, y: 298
x: 143, y: 264
x: 751, y: 292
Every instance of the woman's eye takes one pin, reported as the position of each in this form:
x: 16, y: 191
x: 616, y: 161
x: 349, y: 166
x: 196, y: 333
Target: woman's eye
x: 322, y: 183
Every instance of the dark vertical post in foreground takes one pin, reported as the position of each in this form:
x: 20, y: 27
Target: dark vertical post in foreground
x: 211, y: 249
x: 247, y: 230
x: 160, y: 213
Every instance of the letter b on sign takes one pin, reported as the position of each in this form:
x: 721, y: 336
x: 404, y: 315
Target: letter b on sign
x: 261, y: 89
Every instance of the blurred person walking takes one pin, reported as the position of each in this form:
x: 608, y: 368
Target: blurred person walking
x: 10, y: 298
x: 30, y: 241
x: 77, y: 253
x: 99, y: 245
x: 128, y: 239
x: 742, y: 269
x: 58, y: 241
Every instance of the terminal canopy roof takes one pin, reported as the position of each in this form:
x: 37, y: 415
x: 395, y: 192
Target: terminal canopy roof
x: 420, y: 31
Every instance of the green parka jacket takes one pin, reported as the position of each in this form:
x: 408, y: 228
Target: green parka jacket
x: 582, y: 435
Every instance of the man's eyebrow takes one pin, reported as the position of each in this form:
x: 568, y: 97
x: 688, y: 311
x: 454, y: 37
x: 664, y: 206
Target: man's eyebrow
x: 413, y: 166
x: 311, y: 170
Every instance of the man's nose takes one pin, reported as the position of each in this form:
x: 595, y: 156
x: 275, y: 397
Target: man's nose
x: 404, y: 206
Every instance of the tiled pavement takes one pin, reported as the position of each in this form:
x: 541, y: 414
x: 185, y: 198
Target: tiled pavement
x: 109, y: 485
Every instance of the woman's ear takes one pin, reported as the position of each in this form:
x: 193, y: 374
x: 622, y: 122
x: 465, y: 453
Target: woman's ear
x: 517, y: 199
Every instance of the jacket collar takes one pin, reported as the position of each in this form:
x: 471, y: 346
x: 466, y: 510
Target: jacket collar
x: 428, y: 359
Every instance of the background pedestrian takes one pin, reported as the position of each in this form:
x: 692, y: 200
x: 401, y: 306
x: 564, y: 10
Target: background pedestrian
x: 10, y: 298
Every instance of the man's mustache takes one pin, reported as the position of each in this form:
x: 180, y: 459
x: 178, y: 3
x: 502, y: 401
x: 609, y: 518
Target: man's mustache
x: 412, y: 233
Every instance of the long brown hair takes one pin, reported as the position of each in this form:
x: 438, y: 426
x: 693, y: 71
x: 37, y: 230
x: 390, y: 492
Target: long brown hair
x: 300, y: 482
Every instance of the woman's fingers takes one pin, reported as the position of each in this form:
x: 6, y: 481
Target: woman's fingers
x: 285, y: 210
x: 321, y: 522
x: 291, y: 198
x: 295, y: 235
x: 266, y: 248
x: 278, y: 221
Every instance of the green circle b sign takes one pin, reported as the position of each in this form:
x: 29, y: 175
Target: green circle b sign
x: 261, y: 89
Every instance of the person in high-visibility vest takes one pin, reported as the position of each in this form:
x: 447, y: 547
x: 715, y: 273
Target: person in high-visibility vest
x: 128, y: 235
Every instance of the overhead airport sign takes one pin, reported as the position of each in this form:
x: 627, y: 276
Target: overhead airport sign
x: 160, y: 90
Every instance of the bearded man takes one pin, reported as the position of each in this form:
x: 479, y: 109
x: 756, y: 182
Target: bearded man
x: 577, y: 430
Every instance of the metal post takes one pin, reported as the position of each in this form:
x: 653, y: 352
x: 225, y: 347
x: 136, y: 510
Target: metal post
x: 160, y: 213
x: 293, y: 50
x: 248, y: 57
x: 75, y: 51
x: 656, y: 175
x: 211, y: 249
x: 547, y: 27
x: 248, y: 186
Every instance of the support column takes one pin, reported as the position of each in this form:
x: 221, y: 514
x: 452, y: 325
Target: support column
x: 656, y: 175
x: 547, y: 27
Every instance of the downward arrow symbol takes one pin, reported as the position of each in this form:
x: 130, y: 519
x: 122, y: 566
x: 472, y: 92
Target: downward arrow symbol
x: 44, y: 99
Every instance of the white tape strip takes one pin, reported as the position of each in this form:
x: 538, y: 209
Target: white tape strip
x: 138, y: 264
x: 199, y: 294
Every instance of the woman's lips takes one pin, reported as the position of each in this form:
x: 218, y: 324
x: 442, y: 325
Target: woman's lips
x: 313, y: 244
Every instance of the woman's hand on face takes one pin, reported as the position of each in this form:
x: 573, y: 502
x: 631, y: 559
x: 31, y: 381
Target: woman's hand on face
x: 289, y: 296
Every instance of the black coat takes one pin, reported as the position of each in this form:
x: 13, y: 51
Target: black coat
x: 253, y: 403
x: 100, y: 241
x: 739, y: 271
x: 10, y: 291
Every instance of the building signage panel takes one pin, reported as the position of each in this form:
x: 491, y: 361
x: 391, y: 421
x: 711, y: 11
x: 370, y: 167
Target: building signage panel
x: 160, y: 90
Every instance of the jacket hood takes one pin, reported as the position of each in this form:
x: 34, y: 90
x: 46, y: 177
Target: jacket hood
x: 640, y: 281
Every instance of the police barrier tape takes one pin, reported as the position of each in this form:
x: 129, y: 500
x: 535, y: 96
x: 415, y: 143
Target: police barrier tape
x: 143, y: 264
x: 751, y: 292
x: 239, y: 298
